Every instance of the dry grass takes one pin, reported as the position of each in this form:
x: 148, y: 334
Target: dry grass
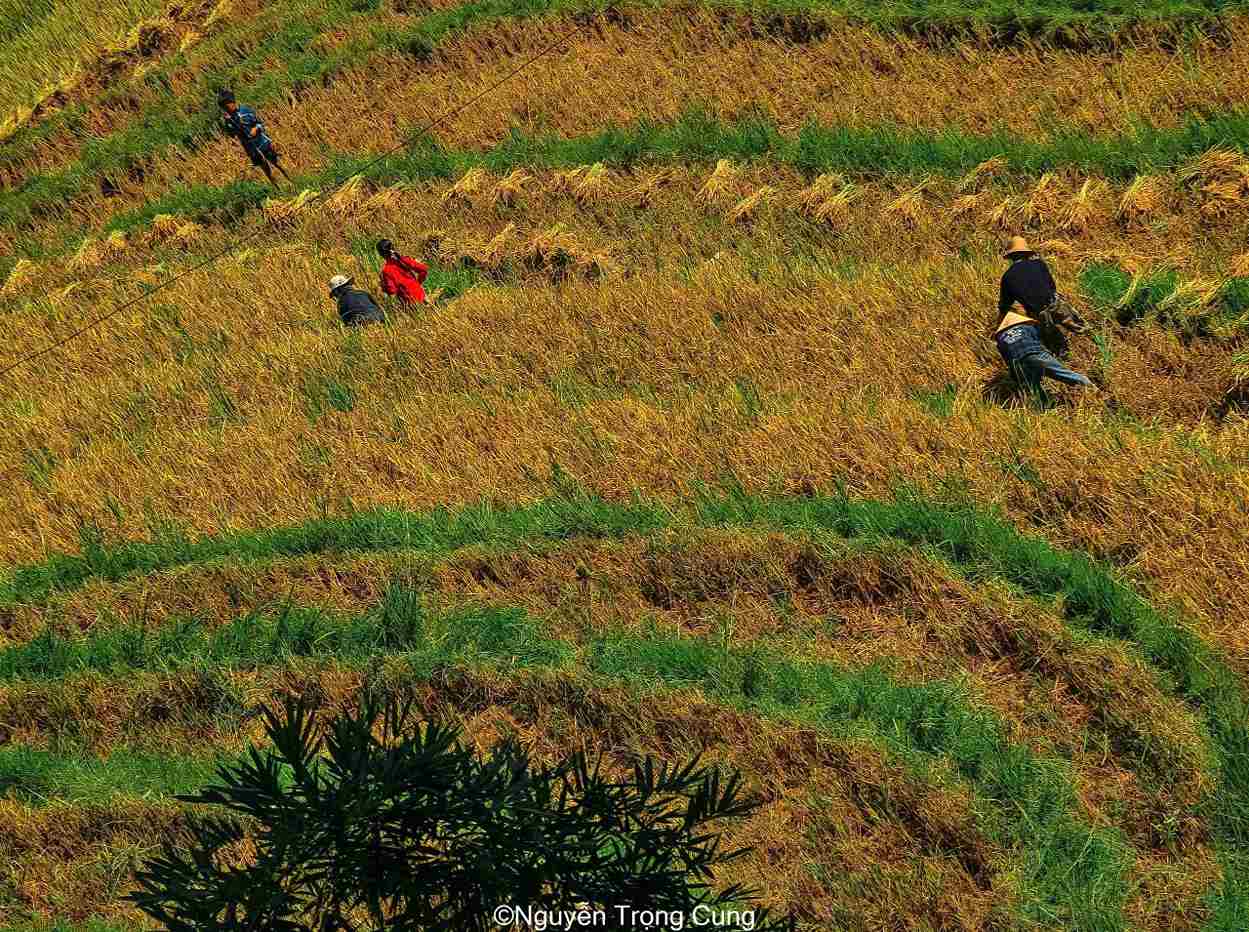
x: 508, y: 191
x: 459, y: 449
x: 470, y: 187
x: 747, y: 209
x: 835, y: 79
x: 828, y: 198
x: 831, y: 815
x: 1082, y: 210
x: 722, y: 183
x: 1143, y: 200
x: 909, y: 208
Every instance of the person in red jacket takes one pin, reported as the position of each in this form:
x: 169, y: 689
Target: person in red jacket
x: 402, y: 276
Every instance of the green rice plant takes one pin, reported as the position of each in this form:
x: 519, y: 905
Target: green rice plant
x: 938, y: 403
x: 1130, y: 297
x: 982, y: 544
x: 1075, y: 874
x: 37, y: 776
x: 401, y: 624
x: 1230, y: 305
x: 695, y: 137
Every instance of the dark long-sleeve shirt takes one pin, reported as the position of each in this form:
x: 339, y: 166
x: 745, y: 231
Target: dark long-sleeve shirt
x: 242, y: 123
x: 1029, y: 282
x: 356, y: 307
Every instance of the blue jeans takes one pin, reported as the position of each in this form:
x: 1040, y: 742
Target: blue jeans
x: 1026, y: 356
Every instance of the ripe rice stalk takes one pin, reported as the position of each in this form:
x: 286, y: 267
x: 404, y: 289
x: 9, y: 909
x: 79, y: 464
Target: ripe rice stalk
x: 824, y: 186
x: 94, y: 252
x: 1188, y: 297
x: 909, y: 206
x: 827, y: 199
x: 1139, y: 277
x: 88, y: 254
x: 598, y: 265
x: 592, y: 187
x: 348, y: 197
x: 748, y: 207
x: 468, y: 187
x: 1213, y: 165
x: 644, y: 193
x: 1003, y: 216
x: 1041, y: 203
x: 509, y: 189
x: 189, y: 39
x: 1083, y: 207
x: 1141, y: 200
x: 1223, y: 197
x: 164, y: 227
x: 558, y: 252
x: 496, y: 250
x: 550, y: 245
x: 1239, y: 266
x: 1057, y: 247
x: 967, y: 203
x: 383, y: 199
x: 24, y: 273
x: 564, y: 182
x: 1240, y: 368
x: 15, y: 121
x: 283, y: 212
x: 981, y: 173
x: 223, y: 9
x: 721, y: 182
x: 430, y: 242
x: 489, y: 256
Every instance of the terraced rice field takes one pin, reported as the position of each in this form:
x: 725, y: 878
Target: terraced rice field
x: 703, y: 445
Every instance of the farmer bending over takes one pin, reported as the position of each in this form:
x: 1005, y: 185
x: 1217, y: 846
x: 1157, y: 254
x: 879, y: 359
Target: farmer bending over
x: 246, y: 126
x: 1028, y: 281
x: 355, y: 307
x: 402, y: 276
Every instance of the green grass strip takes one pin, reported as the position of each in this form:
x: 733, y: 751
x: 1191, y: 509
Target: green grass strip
x: 400, y: 624
x: 186, y: 122
x: 37, y: 776
x: 1073, y: 874
x: 61, y: 925
x: 981, y: 544
x: 1063, y: 21
x: 697, y: 138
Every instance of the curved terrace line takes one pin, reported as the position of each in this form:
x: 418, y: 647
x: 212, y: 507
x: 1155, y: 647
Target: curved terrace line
x: 1074, y: 872
x: 981, y: 544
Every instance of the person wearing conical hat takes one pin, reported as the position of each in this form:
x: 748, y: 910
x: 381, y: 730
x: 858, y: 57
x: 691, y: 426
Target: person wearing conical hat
x: 355, y: 307
x: 1018, y: 334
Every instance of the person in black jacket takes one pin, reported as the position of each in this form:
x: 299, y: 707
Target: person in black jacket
x: 1029, y: 283
x: 355, y: 307
x: 1019, y: 335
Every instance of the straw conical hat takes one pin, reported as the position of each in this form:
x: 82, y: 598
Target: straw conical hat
x: 1016, y: 244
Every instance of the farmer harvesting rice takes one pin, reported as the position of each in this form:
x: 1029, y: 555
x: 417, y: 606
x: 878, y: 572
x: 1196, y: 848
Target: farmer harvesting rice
x: 402, y: 275
x: 355, y: 307
x: 247, y: 127
x: 1019, y: 337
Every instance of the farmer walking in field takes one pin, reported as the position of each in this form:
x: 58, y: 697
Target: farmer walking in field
x: 1029, y: 283
x: 402, y: 276
x: 249, y: 129
x: 355, y: 307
